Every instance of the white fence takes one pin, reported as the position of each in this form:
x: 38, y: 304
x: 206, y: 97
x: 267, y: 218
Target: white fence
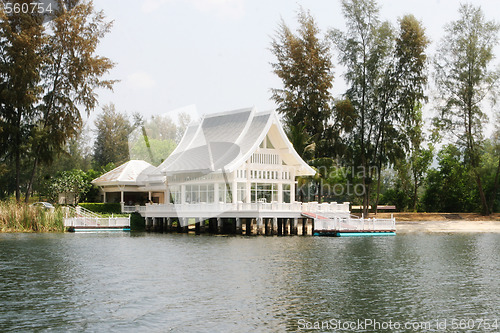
x: 97, y: 222
x: 132, y: 209
x: 354, y: 224
x: 312, y: 207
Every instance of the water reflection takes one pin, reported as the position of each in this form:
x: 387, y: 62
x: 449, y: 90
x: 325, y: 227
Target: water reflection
x: 185, y: 283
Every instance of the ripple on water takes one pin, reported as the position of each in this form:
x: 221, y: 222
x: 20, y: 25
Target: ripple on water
x: 183, y: 283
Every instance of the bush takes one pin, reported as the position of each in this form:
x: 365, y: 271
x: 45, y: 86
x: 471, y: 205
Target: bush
x: 137, y: 222
x: 102, y: 208
x: 451, y: 187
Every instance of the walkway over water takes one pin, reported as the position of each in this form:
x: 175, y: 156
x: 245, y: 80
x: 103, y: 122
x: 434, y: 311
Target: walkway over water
x: 82, y: 219
x: 259, y: 218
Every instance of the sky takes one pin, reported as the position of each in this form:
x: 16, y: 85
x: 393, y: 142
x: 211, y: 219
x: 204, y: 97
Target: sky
x: 210, y: 56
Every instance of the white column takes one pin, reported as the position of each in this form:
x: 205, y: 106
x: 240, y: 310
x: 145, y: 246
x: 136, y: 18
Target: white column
x: 292, y: 191
x: 183, y: 194
x: 104, y: 196
x: 149, y: 195
x: 216, y: 193
x: 249, y: 192
x: 234, y: 190
x: 280, y: 192
x: 121, y: 196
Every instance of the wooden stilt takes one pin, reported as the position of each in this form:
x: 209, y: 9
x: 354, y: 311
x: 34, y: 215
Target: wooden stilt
x: 294, y: 226
x: 260, y: 227
x: 219, y: 225
x: 169, y: 224
x: 202, y: 225
x: 155, y: 224
x: 197, y: 226
x: 161, y: 225
x: 238, y: 226
x: 285, y: 226
x: 179, y: 226
x: 248, y: 227
x: 215, y: 225
x: 232, y: 225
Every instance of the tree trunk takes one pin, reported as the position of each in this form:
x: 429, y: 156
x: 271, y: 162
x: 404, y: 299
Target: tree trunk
x: 415, y: 192
x: 18, y: 158
x: 366, y: 198
x: 415, y: 189
x: 495, y: 188
x: 32, y: 179
x: 18, y: 175
x: 378, y: 191
x: 485, y: 210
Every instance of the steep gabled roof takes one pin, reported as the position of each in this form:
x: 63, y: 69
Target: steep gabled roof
x: 226, y: 140
x: 126, y: 174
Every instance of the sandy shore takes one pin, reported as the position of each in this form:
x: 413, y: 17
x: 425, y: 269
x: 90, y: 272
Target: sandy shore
x: 448, y: 226
x: 444, y: 222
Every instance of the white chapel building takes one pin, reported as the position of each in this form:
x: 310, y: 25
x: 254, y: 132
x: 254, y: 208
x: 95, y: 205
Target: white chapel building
x: 231, y: 164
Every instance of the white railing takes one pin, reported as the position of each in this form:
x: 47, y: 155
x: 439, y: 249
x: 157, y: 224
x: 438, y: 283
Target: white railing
x: 310, y: 207
x: 97, y: 222
x: 80, y: 211
x: 354, y: 224
x: 133, y: 209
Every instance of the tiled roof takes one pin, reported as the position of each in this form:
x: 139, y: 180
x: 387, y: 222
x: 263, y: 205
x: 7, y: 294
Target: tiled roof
x: 125, y: 174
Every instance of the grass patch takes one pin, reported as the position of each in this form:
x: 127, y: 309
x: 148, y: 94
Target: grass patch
x: 20, y: 217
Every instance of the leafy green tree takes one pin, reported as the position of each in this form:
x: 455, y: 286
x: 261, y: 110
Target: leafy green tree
x: 366, y: 50
x: 153, y: 151
x: 183, y: 120
x: 303, y: 143
x: 112, y: 131
x: 411, y: 73
x: 450, y: 187
x: 386, y: 74
x: 303, y: 63
x: 496, y: 155
x: 71, y: 184
x: 155, y: 139
x: 46, y: 74
x: 22, y: 38
x: 465, y: 78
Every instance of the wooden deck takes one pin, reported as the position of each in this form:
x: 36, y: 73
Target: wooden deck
x: 354, y: 225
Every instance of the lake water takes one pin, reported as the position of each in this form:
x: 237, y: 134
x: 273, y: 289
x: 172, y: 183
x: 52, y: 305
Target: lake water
x: 140, y: 282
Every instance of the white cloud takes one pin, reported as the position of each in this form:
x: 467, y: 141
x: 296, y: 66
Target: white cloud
x: 140, y: 80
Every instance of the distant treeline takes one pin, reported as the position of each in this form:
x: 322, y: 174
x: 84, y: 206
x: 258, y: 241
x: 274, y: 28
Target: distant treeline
x: 370, y: 145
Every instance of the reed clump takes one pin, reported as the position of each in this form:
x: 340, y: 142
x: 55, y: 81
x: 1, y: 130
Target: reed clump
x: 20, y: 217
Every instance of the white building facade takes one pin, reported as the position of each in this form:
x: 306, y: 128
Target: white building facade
x: 234, y: 157
x: 236, y: 165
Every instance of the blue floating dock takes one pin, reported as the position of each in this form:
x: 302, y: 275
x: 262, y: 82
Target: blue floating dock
x: 364, y: 234
x: 98, y: 229
x: 355, y: 234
